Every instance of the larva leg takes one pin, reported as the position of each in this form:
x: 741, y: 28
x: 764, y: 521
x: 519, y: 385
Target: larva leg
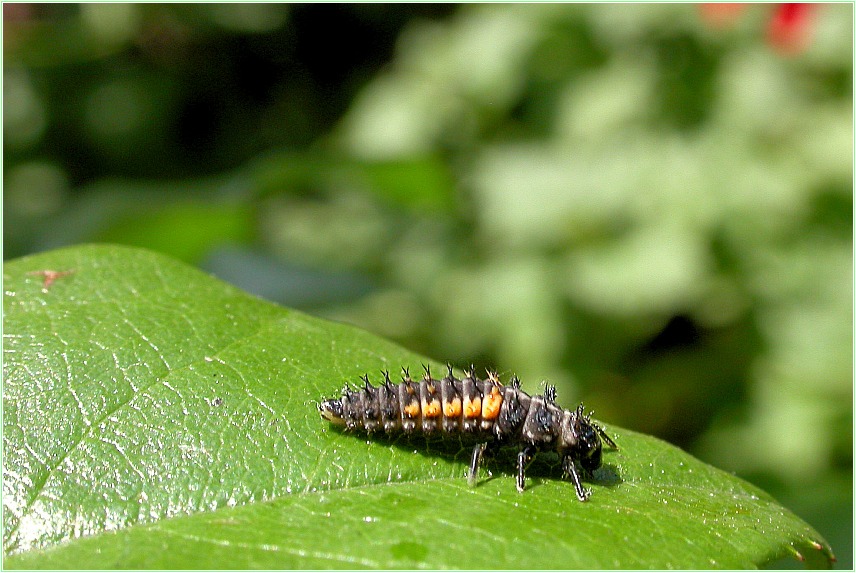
x: 523, y: 458
x: 473, y: 475
x: 571, y: 469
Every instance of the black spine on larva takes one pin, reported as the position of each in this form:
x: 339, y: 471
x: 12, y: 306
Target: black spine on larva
x: 450, y: 395
x: 428, y: 402
x: 408, y: 400
x: 369, y: 406
x: 352, y: 421
x: 550, y: 393
x: 387, y: 399
x: 470, y: 394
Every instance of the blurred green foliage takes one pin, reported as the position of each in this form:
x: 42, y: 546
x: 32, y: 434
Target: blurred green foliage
x: 653, y: 213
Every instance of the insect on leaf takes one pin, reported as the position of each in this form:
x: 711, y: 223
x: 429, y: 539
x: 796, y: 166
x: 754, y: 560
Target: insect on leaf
x: 155, y: 417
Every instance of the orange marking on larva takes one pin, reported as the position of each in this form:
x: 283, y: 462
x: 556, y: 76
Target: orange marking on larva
x: 452, y: 409
x: 431, y: 409
x: 492, y: 404
x: 412, y: 409
x: 472, y: 408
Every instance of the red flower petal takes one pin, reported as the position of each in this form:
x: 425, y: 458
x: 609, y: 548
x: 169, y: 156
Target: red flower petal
x: 790, y: 28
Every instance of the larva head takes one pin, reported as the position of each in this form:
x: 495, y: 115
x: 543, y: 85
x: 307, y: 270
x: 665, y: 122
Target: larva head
x: 331, y: 410
x: 581, y: 439
x: 588, y: 445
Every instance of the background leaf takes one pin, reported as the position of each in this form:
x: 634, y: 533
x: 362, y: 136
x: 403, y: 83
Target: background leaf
x: 144, y: 400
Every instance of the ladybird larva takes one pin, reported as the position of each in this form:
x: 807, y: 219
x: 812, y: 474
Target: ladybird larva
x: 495, y: 414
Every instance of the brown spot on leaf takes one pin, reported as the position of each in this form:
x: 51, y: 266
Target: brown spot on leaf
x: 49, y: 276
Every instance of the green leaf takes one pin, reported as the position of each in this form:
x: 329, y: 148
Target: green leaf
x: 155, y: 417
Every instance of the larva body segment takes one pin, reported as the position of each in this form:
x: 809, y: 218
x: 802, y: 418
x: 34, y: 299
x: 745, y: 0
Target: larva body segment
x: 495, y: 414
